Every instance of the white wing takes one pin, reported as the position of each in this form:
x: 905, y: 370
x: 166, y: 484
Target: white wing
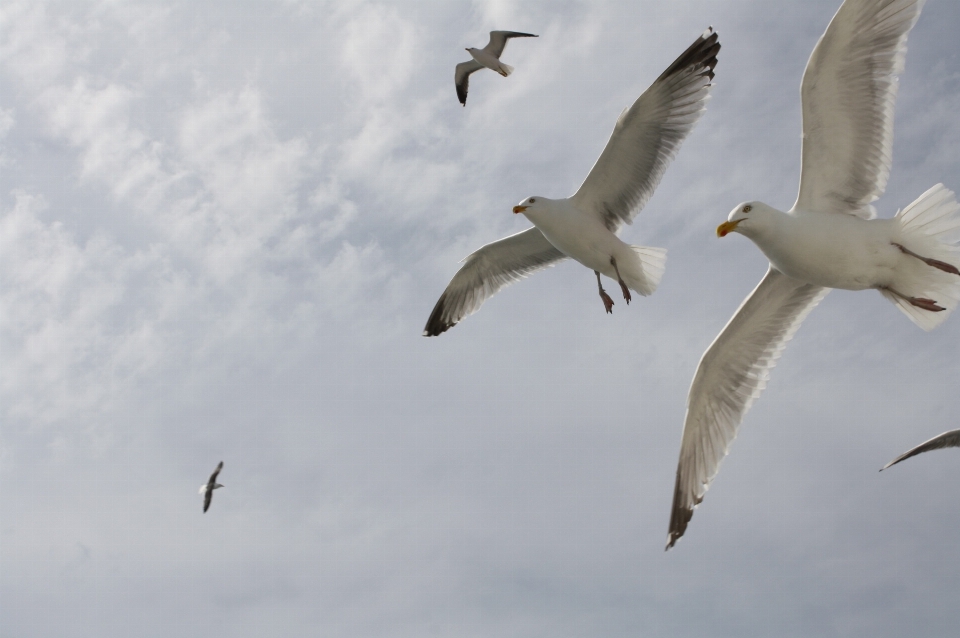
x: 848, y: 93
x: 498, y: 41
x: 947, y: 439
x: 648, y: 135
x: 731, y: 375
x: 461, y: 78
x: 488, y: 270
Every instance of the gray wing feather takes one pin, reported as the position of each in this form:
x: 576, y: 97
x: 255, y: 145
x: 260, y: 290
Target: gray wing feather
x: 947, y: 439
x: 732, y: 373
x: 213, y: 477
x: 648, y: 135
x: 486, y: 271
x: 848, y: 94
x: 462, y: 78
x: 498, y: 41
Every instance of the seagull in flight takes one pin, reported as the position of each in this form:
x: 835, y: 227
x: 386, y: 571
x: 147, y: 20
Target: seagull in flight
x: 645, y: 139
x: 829, y: 239
x: 207, y: 488
x: 947, y: 439
x: 487, y: 57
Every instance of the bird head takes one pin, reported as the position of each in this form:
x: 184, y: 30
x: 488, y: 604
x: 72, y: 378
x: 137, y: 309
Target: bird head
x: 745, y: 217
x: 531, y: 205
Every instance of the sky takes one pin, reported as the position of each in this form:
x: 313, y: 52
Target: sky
x: 223, y: 226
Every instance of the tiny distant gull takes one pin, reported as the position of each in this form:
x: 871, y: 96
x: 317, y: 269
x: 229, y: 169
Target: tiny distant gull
x: 645, y: 139
x: 207, y: 488
x: 487, y: 57
x: 829, y: 239
x: 947, y: 439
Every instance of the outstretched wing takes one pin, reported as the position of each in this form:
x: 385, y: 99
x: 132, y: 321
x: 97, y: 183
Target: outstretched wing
x: 207, y: 497
x: 731, y: 375
x: 947, y: 439
x: 488, y: 270
x: 213, y: 477
x: 498, y: 41
x: 648, y: 135
x: 848, y: 92
x: 462, y: 78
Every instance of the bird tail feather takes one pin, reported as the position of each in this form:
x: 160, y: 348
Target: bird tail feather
x: 652, y: 264
x: 929, y: 228
x: 505, y: 69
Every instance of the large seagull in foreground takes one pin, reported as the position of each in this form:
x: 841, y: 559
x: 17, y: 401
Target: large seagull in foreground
x: 486, y: 58
x: 207, y: 488
x: 829, y: 238
x: 645, y: 139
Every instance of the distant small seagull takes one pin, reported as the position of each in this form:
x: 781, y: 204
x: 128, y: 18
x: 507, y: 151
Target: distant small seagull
x: 584, y: 226
x: 947, y: 439
x: 489, y: 57
x: 209, y: 486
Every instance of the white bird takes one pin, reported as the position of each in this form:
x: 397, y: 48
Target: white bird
x: 487, y: 57
x: 645, y: 139
x: 829, y: 238
x: 947, y: 439
x: 207, y: 488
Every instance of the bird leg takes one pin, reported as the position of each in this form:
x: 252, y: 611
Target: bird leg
x: 919, y: 302
x: 936, y: 263
x: 623, y: 286
x: 607, y: 301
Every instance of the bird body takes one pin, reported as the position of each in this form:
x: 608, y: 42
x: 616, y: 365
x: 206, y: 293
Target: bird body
x: 583, y: 237
x: 825, y: 249
x: 489, y: 61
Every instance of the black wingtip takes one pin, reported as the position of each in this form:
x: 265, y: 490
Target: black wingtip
x: 702, y: 53
x: 436, y: 324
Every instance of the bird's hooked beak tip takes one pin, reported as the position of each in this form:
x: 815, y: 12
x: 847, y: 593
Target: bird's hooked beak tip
x: 726, y: 227
x: 519, y: 209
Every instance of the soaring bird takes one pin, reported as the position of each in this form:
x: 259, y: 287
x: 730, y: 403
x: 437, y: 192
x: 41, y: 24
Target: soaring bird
x: 645, y: 139
x: 947, y: 439
x: 829, y: 239
x: 207, y: 488
x: 487, y: 57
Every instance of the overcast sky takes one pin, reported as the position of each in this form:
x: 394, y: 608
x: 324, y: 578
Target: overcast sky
x: 222, y: 228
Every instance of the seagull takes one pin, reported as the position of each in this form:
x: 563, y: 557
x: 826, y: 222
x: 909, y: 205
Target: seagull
x: 207, y: 488
x: 829, y: 239
x: 947, y: 439
x: 645, y: 139
x: 487, y: 57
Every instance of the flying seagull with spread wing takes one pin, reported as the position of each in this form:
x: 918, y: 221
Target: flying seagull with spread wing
x: 207, y: 488
x: 645, y: 139
x: 829, y: 239
x: 488, y: 57
x: 947, y: 439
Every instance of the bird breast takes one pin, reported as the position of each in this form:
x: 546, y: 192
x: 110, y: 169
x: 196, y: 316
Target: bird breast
x: 832, y: 250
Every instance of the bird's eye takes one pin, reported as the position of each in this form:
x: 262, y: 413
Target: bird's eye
x: 747, y: 208
x: 533, y: 200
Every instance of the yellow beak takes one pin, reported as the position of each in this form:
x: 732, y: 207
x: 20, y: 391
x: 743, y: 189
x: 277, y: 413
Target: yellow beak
x: 726, y: 227
x: 519, y: 209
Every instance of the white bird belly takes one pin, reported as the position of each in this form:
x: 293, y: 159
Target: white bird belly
x: 836, y: 251
x: 582, y: 238
x: 486, y: 60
